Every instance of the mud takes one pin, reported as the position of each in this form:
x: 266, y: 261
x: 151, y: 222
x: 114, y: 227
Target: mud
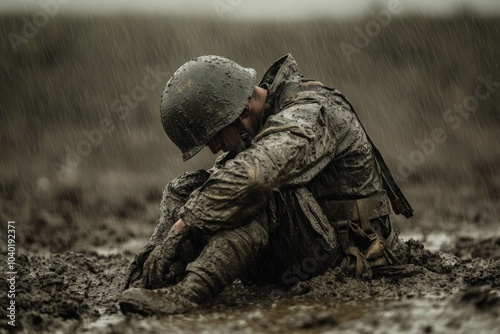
x: 455, y: 289
x: 73, y: 255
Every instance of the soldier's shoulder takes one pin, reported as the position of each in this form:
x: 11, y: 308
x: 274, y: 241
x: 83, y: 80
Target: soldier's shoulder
x: 297, y: 113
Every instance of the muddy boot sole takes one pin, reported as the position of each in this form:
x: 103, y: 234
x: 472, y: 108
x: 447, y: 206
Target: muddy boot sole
x: 154, y: 302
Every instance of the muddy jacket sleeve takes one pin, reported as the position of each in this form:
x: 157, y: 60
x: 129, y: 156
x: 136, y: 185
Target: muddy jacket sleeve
x: 291, y: 143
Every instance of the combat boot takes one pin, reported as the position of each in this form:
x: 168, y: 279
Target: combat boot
x: 187, y: 295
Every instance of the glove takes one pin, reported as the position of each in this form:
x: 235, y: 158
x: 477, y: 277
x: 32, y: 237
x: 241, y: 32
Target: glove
x: 135, y: 269
x: 164, y: 265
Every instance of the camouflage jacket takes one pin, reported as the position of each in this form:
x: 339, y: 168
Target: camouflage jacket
x: 310, y: 144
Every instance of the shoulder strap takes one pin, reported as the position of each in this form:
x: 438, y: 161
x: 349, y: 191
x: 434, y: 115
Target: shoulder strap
x: 399, y: 203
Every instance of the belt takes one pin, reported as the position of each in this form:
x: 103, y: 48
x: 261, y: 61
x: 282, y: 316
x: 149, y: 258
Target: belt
x: 362, y: 210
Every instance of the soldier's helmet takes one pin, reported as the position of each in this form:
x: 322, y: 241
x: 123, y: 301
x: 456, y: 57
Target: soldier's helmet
x: 201, y: 98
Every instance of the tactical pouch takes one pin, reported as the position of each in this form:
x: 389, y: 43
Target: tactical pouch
x: 363, y: 251
x: 363, y: 248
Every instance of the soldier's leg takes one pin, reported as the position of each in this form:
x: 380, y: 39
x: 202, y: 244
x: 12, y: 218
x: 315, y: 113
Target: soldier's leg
x: 294, y: 253
x: 298, y: 248
x: 225, y: 257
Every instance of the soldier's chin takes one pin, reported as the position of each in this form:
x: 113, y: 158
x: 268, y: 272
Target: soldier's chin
x: 228, y: 149
x: 214, y: 151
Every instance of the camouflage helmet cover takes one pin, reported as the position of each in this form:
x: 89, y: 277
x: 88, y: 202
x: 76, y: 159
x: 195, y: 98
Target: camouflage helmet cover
x: 202, y: 97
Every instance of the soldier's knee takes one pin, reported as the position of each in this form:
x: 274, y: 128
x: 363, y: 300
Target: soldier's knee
x: 250, y: 236
x: 255, y: 233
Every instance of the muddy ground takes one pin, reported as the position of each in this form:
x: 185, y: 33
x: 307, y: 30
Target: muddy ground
x: 70, y: 270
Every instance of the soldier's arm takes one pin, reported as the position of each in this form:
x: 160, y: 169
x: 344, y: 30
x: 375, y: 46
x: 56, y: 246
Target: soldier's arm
x: 174, y: 196
x: 293, y: 142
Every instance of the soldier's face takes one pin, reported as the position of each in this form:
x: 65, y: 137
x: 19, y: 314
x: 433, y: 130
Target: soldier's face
x: 251, y: 118
x: 227, y: 139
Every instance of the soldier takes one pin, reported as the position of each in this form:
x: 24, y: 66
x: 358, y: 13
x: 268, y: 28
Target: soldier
x: 300, y: 189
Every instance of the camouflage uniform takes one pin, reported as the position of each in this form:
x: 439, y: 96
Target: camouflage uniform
x: 259, y: 212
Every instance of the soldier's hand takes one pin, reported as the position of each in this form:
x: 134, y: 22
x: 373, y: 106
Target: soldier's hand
x: 162, y: 264
x: 135, y: 269
x: 180, y: 226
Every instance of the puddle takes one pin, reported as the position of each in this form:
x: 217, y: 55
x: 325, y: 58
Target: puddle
x: 131, y: 246
x: 428, y: 314
x: 272, y: 317
x: 103, y: 322
x: 425, y: 313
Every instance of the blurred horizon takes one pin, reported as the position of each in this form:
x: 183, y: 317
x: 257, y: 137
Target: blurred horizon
x: 256, y: 9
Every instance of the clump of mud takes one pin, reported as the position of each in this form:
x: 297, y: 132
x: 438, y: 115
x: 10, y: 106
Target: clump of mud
x: 468, y: 247
x: 482, y: 257
x: 60, y: 290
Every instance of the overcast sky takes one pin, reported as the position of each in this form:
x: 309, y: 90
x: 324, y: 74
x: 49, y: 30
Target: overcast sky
x: 253, y: 8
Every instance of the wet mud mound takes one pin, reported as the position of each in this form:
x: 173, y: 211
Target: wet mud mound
x: 468, y: 247
x: 58, y: 291
x: 481, y: 256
